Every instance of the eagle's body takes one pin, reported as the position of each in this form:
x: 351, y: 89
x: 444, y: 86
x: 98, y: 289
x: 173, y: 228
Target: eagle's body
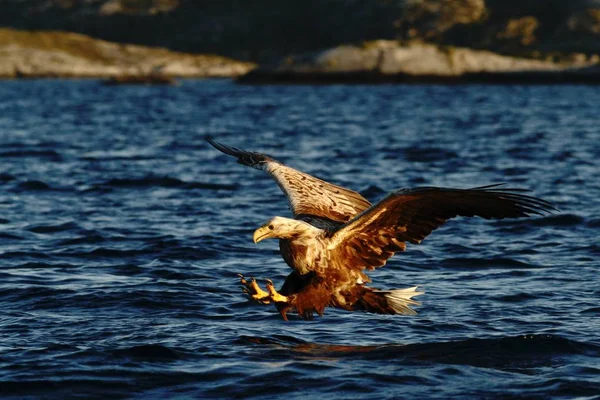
x: 336, y: 234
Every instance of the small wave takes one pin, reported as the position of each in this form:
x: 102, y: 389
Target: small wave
x: 169, y: 274
x: 4, y: 177
x: 158, y: 181
x: 506, y: 131
x: 594, y: 223
x: 177, y: 251
x: 9, y: 236
x: 33, y: 185
x: 593, y: 311
x: 43, y: 265
x: 20, y: 255
x: 117, y: 387
x: 88, y: 239
x: 521, y: 152
x: 558, y: 220
x: 569, y: 388
x: 563, y: 155
x: 549, y: 220
x: 504, y: 351
x: 52, y: 228
x: 517, y: 298
x: 40, y: 293
x: 591, y: 249
x: 149, y: 352
x: 144, y: 182
x: 50, y: 155
x: 108, y: 253
x: 417, y: 181
x: 428, y: 154
x: 514, y: 171
x: 372, y: 192
x: 453, y: 248
x: 472, y: 263
x: 116, y: 157
x: 28, y: 144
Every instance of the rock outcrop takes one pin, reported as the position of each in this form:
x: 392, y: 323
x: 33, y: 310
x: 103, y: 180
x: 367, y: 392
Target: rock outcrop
x: 60, y: 54
x: 417, y: 62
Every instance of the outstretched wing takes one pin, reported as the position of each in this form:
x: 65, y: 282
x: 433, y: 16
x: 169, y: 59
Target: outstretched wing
x: 410, y: 215
x: 307, y: 195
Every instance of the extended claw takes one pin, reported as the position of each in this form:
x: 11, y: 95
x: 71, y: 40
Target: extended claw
x: 274, y: 295
x: 254, y: 291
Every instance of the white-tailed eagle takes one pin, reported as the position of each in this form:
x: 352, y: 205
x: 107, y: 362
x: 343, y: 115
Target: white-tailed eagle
x: 336, y: 234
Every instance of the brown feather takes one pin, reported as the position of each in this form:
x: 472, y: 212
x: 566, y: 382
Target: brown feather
x: 309, y: 294
x: 410, y: 215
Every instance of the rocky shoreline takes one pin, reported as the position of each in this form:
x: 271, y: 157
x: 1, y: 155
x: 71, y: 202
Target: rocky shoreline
x: 53, y: 54
x: 396, y: 62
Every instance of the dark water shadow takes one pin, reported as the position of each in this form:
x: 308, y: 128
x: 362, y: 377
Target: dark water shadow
x: 519, y: 354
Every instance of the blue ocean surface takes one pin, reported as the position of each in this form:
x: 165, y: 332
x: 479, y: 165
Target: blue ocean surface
x: 122, y: 231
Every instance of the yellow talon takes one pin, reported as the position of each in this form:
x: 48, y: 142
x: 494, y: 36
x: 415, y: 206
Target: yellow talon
x: 273, y: 295
x: 258, y: 293
x: 253, y: 290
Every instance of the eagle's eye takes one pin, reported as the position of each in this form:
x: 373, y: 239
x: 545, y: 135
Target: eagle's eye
x: 271, y: 227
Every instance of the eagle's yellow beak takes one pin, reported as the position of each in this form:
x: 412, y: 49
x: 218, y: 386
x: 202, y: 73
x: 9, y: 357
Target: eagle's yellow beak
x: 260, y: 234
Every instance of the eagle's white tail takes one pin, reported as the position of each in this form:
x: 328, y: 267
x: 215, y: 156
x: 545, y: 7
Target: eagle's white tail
x: 399, y: 300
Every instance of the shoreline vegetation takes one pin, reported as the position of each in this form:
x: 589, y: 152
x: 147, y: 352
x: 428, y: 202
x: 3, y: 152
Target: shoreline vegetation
x: 55, y: 54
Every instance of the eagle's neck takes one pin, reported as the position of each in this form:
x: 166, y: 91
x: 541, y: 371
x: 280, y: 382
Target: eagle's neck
x: 299, y: 232
x: 301, y: 246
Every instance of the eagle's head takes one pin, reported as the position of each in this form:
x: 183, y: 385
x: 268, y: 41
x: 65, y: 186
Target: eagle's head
x: 284, y: 228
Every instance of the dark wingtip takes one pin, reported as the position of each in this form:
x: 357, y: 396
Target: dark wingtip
x: 500, y: 187
x: 493, y: 185
x: 531, y: 205
x: 232, y: 151
x: 212, y: 142
x: 254, y: 160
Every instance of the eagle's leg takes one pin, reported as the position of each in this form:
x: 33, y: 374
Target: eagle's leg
x: 254, y: 291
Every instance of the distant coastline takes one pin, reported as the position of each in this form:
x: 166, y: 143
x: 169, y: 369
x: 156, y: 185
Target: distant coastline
x: 416, y: 62
x: 54, y: 54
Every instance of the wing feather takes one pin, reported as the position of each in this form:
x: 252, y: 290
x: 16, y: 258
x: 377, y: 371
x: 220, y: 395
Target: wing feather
x: 410, y: 215
x: 307, y: 195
